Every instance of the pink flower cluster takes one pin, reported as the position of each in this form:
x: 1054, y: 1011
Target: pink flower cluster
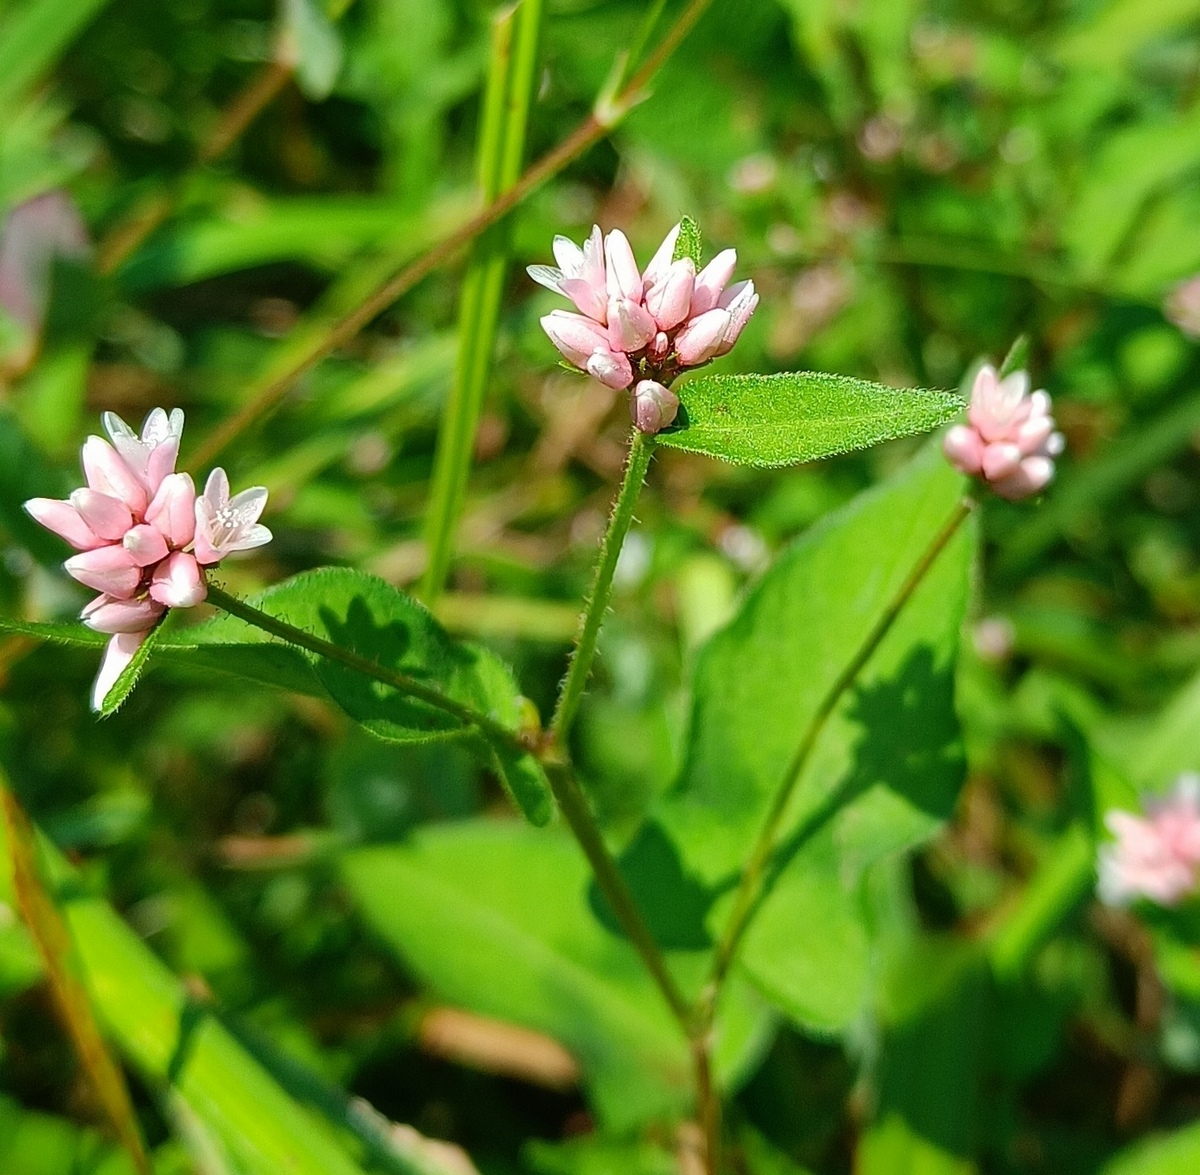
x: 641, y: 328
x: 143, y: 535
x: 1009, y: 438
x: 1156, y: 856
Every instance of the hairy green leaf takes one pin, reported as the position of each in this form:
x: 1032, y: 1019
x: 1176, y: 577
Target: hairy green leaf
x: 798, y: 416
x: 689, y: 242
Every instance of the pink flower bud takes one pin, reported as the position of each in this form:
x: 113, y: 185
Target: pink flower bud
x: 698, y: 341
x: 662, y: 259
x: 575, y: 337
x: 173, y: 510
x: 150, y: 456
x: 111, y: 570
x: 1000, y: 460
x: 106, y: 614
x: 107, y: 472
x: 630, y: 326
x: 669, y: 299
x: 624, y: 279
x: 177, y: 581
x: 653, y: 406
x: 579, y: 275
x: 1031, y: 476
x: 118, y: 653
x: 145, y: 544
x: 108, y: 517
x: 711, y: 282
x: 588, y: 299
x: 660, y: 347
x: 740, y: 302
x: 611, y: 368
x: 64, y: 520
x: 964, y: 448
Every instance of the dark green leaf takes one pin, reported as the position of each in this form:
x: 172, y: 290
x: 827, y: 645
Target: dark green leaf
x: 689, y: 243
x: 798, y: 416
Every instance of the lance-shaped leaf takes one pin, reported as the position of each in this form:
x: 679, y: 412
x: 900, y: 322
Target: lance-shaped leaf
x: 798, y: 416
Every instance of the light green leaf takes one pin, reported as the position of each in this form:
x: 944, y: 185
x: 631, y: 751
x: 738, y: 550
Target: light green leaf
x: 313, y: 42
x: 1169, y: 1154
x: 130, y: 675
x: 32, y: 37
x: 887, y: 768
x: 689, y: 242
x: 598, y: 1156
x: 498, y: 918
x: 798, y: 416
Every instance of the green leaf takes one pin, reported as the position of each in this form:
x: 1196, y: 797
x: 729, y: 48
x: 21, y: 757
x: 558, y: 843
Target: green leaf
x: 32, y: 37
x: 1169, y: 1154
x: 313, y: 42
x: 886, y: 770
x: 598, y: 1156
x: 497, y: 918
x: 364, y: 615
x: 56, y: 632
x: 798, y: 416
x: 689, y: 243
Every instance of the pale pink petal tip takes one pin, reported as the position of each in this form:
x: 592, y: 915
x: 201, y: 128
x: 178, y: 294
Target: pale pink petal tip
x: 118, y: 654
x: 178, y: 582
x: 653, y: 407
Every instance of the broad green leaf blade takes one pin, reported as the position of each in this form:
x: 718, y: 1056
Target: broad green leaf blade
x: 56, y: 632
x: 790, y: 417
x: 497, y: 918
x: 886, y: 770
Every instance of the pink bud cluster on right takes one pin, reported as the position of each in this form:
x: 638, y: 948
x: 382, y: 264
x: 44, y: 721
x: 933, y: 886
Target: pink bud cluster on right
x: 143, y: 535
x: 639, y: 329
x: 1155, y: 857
x: 1009, y: 439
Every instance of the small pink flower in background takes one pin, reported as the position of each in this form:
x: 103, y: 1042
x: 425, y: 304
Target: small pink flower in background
x: 1009, y: 439
x: 31, y: 237
x: 1156, y: 856
x: 643, y: 327
x: 142, y: 534
x: 1182, y: 306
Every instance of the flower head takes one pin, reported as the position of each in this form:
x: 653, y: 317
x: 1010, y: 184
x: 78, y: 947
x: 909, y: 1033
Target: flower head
x: 1009, y: 439
x: 643, y: 327
x: 142, y: 534
x: 1155, y: 856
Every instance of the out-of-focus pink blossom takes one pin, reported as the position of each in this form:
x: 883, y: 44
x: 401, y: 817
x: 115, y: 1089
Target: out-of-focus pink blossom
x: 1009, y: 439
x: 1155, y: 856
x: 653, y: 406
x: 643, y: 326
x: 32, y: 237
x: 1182, y: 306
x: 142, y: 534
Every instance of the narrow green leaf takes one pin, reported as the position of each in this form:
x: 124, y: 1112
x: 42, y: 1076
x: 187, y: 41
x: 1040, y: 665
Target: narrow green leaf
x: 1017, y: 357
x: 32, y: 37
x: 512, y: 79
x: 130, y: 675
x: 798, y: 416
x: 689, y: 242
x: 57, y: 951
x: 56, y: 632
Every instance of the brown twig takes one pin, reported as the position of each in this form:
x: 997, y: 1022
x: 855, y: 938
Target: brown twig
x: 586, y: 135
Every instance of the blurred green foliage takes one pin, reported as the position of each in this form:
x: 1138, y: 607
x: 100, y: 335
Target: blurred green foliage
x: 911, y: 186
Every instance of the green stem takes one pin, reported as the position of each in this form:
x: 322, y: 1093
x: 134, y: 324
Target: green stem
x: 641, y: 449
x: 578, y: 814
x: 753, y: 887
x: 400, y: 682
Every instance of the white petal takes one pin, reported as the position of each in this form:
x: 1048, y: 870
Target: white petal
x: 255, y: 536
x: 545, y: 275
x: 248, y: 505
x: 117, y: 428
x: 568, y: 255
x: 216, y: 489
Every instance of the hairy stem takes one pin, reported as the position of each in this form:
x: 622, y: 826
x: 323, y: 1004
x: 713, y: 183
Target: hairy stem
x: 400, y: 682
x: 578, y: 815
x: 641, y: 449
x: 753, y: 887
x: 586, y: 135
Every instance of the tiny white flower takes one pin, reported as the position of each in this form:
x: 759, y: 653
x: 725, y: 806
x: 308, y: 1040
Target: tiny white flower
x: 224, y: 524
